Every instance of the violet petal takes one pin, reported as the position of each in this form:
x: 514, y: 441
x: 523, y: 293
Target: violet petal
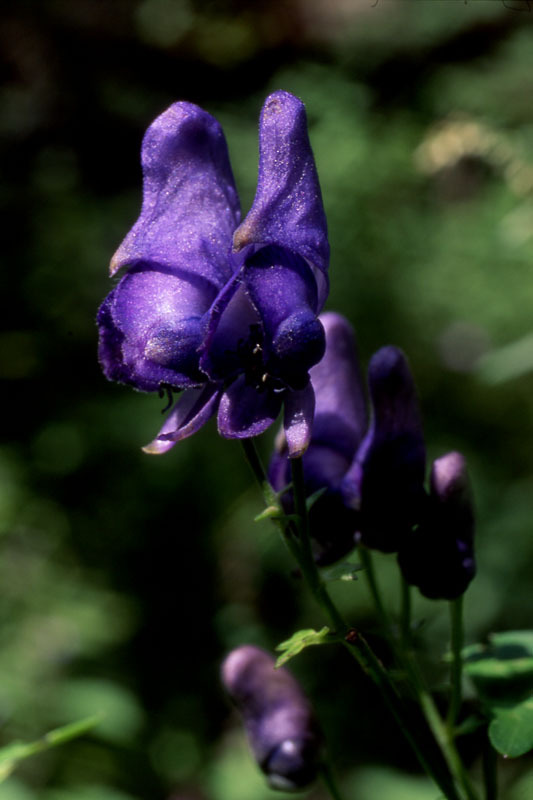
x: 282, y: 289
x: 190, y: 205
x: 245, y: 411
x: 287, y: 210
x: 299, y: 408
x: 341, y: 409
x: 151, y: 328
x: 191, y: 411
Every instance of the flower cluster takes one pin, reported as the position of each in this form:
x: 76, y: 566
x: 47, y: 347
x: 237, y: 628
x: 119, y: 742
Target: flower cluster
x: 281, y: 726
x: 373, y: 471
x: 223, y: 309
x: 226, y: 312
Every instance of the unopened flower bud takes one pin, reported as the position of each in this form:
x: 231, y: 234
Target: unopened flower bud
x: 280, y: 724
x: 438, y: 556
x: 385, y: 480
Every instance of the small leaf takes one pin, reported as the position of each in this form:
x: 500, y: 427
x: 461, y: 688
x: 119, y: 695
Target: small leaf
x: 270, y: 512
x: 311, y: 500
x: 511, y: 730
x: 345, y: 571
x: 299, y: 641
x: 469, y: 725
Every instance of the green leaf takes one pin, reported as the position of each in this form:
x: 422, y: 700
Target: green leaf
x: 503, y: 668
x: 511, y: 730
x: 300, y: 640
x: 502, y: 672
x: 469, y: 725
x: 345, y: 571
x: 12, y: 753
x: 311, y: 500
x: 270, y: 512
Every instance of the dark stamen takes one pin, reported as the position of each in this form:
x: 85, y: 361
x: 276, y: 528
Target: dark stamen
x: 166, y: 388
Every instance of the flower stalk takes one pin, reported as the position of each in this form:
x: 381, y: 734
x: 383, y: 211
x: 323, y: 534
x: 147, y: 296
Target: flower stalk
x: 353, y: 640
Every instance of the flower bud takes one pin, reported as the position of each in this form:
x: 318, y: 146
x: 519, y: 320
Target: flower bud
x: 438, y: 556
x: 385, y: 480
x: 280, y: 724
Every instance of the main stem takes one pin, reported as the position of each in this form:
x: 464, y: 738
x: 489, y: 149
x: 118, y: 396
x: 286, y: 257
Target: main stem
x: 354, y: 641
x: 444, y: 735
x: 456, y: 675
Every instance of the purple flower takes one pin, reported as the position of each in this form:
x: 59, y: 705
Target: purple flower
x: 222, y: 309
x: 373, y: 474
x: 280, y: 724
x: 438, y: 556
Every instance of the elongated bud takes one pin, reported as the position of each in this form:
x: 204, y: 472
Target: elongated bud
x: 385, y: 480
x: 438, y: 556
x: 280, y: 724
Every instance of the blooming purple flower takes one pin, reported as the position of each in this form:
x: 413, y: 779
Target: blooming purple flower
x: 438, y: 556
x: 280, y: 724
x: 373, y: 474
x: 222, y: 309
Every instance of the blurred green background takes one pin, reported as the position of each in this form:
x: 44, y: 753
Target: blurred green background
x: 124, y: 578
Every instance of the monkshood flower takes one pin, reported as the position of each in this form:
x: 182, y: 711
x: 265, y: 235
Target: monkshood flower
x: 373, y: 472
x: 438, y: 556
x: 222, y: 309
x: 282, y: 730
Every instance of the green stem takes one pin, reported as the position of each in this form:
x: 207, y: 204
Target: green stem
x: 405, y: 626
x: 254, y: 462
x: 355, y: 643
x: 368, y: 564
x: 456, y: 673
x: 490, y: 766
x: 328, y: 778
x: 404, y: 657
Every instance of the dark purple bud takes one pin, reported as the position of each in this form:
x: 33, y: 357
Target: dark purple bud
x: 280, y: 724
x: 339, y: 424
x: 385, y: 480
x: 438, y: 556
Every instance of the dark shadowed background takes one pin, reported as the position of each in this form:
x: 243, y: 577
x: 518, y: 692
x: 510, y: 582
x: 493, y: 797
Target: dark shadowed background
x: 124, y: 578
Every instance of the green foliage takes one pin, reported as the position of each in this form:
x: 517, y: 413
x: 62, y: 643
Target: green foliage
x: 300, y: 640
x: 13, y: 753
x: 503, y: 674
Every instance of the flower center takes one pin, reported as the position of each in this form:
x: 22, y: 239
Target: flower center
x: 253, y: 362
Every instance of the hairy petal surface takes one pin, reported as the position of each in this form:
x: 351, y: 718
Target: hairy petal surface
x: 282, y: 289
x: 190, y: 205
x: 151, y: 328
x: 298, y: 413
x: 287, y: 210
x: 341, y: 415
x: 280, y: 724
x: 245, y: 412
